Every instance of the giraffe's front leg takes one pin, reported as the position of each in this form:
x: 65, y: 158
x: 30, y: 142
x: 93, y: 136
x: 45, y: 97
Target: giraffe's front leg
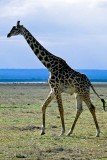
x: 48, y: 100
x: 61, y: 110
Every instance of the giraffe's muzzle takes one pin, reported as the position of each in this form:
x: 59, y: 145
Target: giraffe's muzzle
x: 8, y: 35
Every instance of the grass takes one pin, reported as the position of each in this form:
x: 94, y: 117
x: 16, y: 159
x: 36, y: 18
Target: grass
x: 21, y: 119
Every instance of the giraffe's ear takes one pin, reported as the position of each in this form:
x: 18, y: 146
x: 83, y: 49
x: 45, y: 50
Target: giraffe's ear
x: 18, y: 23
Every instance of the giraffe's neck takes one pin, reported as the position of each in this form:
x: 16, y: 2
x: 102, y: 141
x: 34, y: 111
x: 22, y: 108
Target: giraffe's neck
x: 48, y: 59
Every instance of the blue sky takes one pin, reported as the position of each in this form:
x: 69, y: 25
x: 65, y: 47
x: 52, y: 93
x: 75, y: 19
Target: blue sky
x: 75, y: 30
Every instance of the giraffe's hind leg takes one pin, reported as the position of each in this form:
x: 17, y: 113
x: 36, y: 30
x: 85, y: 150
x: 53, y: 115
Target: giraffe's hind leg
x: 92, y: 110
x: 78, y: 112
x: 48, y: 100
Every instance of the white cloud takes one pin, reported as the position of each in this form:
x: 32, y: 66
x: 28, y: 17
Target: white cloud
x: 13, y: 8
x: 98, y: 3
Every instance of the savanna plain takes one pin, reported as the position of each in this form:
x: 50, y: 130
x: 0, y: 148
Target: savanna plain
x: 21, y: 119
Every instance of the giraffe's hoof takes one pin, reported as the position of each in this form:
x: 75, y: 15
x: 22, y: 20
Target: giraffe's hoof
x: 62, y: 133
x: 97, y: 135
x: 42, y: 133
x: 68, y: 134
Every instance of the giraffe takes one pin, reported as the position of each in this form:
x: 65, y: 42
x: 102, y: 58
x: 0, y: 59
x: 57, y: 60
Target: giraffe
x: 62, y: 79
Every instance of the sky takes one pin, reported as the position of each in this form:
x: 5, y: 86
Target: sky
x: 75, y: 30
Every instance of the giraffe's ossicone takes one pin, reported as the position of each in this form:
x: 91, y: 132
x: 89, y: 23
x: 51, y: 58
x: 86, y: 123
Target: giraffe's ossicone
x: 62, y: 79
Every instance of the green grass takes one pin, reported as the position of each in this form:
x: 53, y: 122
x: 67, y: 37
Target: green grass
x: 21, y: 119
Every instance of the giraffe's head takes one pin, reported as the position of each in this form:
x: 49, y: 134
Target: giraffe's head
x: 16, y: 30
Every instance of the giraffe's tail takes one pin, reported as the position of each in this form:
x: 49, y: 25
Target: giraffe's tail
x: 102, y: 100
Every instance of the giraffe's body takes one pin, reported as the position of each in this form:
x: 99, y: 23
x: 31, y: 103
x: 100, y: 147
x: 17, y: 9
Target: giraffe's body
x: 62, y: 79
